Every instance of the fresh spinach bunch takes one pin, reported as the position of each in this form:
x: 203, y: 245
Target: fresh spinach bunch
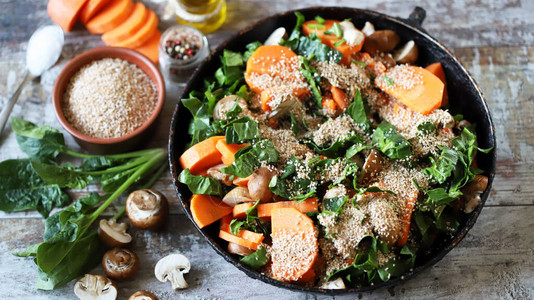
x: 70, y: 246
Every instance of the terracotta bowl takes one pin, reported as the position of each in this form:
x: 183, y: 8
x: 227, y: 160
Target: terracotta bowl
x: 112, y: 145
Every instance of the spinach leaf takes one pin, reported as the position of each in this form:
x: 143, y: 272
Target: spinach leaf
x: 81, y: 256
x: 60, y: 175
x: 251, y: 47
x: 21, y: 188
x: 201, y: 184
x: 338, y: 147
x: 40, y: 143
x: 308, y: 46
x: 334, y: 204
x: 312, y: 77
x: 443, y: 166
x: 357, y: 112
x: 249, y: 158
x: 427, y: 127
x: 200, y: 128
x: 292, y: 186
x: 389, y: 142
x: 252, y: 222
x: 242, y: 130
x: 231, y: 70
x: 297, y: 126
x: 257, y: 259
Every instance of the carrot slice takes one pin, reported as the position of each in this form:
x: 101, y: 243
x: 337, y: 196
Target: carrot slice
x: 238, y: 240
x: 331, y: 40
x: 228, y: 151
x: 270, y: 59
x: 92, y: 8
x: 406, y: 219
x: 201, y: 156
x: 329, y: 104
x: 111, y: 16
x: 267, y: 95
x: 437, y: 69
x: 416, y: 87
x: 339, y: 97
x: 128, y: 27
x: 151, y: 47
x: 308, y: 205
x: 207, y: 209
x: 248, y: 235
x: 240, y: 210
x: 295, y: 246
x: 142, y: 34
x: 65, y: 12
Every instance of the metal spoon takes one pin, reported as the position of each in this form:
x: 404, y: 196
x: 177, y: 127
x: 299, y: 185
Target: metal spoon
x: 44, y: 49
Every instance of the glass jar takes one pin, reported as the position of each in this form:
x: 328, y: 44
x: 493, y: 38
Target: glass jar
x: 181, y: 49
x: 205, y: 15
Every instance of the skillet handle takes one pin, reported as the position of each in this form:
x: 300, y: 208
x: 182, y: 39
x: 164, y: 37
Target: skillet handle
x: 416, y: 18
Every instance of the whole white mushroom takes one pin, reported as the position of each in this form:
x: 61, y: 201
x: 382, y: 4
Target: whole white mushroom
x: 172, y: 268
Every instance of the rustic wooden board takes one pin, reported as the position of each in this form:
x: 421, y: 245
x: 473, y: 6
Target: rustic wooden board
x: 493, y: 39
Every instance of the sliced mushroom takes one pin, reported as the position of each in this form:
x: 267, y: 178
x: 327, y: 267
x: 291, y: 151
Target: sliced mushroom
x: 143, y: 295
x: 373, y: 166
x: 258, y: 185
x: 368, y: 28
x: 386, y: 59
x: 381, y: 41
x: 226, y: 104
x: 172, y: 268
x: 113, y: 234
x: 120, y: 263
x: 215, y: 172
x: 472, y: 191
x: 407, y: 54
x: 147, y: 209
x: 336, y: 284
x: 351, y: 35
x: 276, y: 37
x: 236, y: 196
x: 95, y: 287
x: 239, y: 250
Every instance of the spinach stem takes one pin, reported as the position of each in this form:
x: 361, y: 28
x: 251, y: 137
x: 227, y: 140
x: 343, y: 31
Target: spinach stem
x: 113, y: 156
x: 156, y: 175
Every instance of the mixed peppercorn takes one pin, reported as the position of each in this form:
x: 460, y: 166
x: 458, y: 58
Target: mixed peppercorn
x: 180, y: 49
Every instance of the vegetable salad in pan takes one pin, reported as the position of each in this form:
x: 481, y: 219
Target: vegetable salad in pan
x: 327, y: 157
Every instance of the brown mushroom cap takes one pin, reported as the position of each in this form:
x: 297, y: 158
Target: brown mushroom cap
x: 147, y: 209
x: 143, y: 295
x: 381, y: 41
x: 113, y: 234
x: 120, y: 263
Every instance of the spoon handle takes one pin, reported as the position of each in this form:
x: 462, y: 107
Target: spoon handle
x: 6, y: 111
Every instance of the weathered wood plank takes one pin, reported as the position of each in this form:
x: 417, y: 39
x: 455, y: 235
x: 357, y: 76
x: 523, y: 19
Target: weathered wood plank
x: 494, y: 261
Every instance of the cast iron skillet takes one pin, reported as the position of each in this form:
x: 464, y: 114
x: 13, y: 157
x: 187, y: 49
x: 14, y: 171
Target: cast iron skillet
x: 464, y: 96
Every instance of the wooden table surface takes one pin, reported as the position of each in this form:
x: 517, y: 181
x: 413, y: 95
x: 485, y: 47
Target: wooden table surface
x: 493, y: 39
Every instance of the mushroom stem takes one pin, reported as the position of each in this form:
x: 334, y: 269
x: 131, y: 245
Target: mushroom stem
x: 176, y: 277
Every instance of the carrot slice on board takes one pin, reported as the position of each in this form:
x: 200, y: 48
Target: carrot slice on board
x: 142, y: 34
x: 240, y: 210
x: 295, y: 247
x: 65, y: 12
x: 416, y: 87
x: 128, y: 27
x: 201, y: 156
x: 207, y: 209
x: 437, y: 69
x: 111, y: 16
x: 305, y: 206
x: 92, y: 8
x: 406, y: 219
x: 151, y: 47
x: 228, y: 151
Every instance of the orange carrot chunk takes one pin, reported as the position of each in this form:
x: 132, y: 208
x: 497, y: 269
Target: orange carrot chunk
x: 201, y: 156
x: 406, y: 219
x: 142, y: 34
x: 65, y: 12
x: 269, y: 60
x: 305, y: 206
x: 92, y: 8
x: 243, y: 182
x: 128, y: 27
x: 240, y: 210
x: 295, y: 248
x: 339, y: 97
x: 416, y: 87
x: 238, y: 240
x: 150, y: 48
x: 111, y: 16
x: 329, y: 104
x: 207, y: 209
x: 228, y: 151
x: 437, y: 69
x: 248, y: 235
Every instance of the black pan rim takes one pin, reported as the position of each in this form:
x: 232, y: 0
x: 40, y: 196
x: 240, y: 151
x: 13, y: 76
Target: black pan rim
x: 460, y: 234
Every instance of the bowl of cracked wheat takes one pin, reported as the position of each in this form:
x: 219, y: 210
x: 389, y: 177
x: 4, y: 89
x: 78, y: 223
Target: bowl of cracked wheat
x: 109, y: 98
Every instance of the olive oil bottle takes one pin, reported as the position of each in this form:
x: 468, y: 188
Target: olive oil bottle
x: 205, y: 15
